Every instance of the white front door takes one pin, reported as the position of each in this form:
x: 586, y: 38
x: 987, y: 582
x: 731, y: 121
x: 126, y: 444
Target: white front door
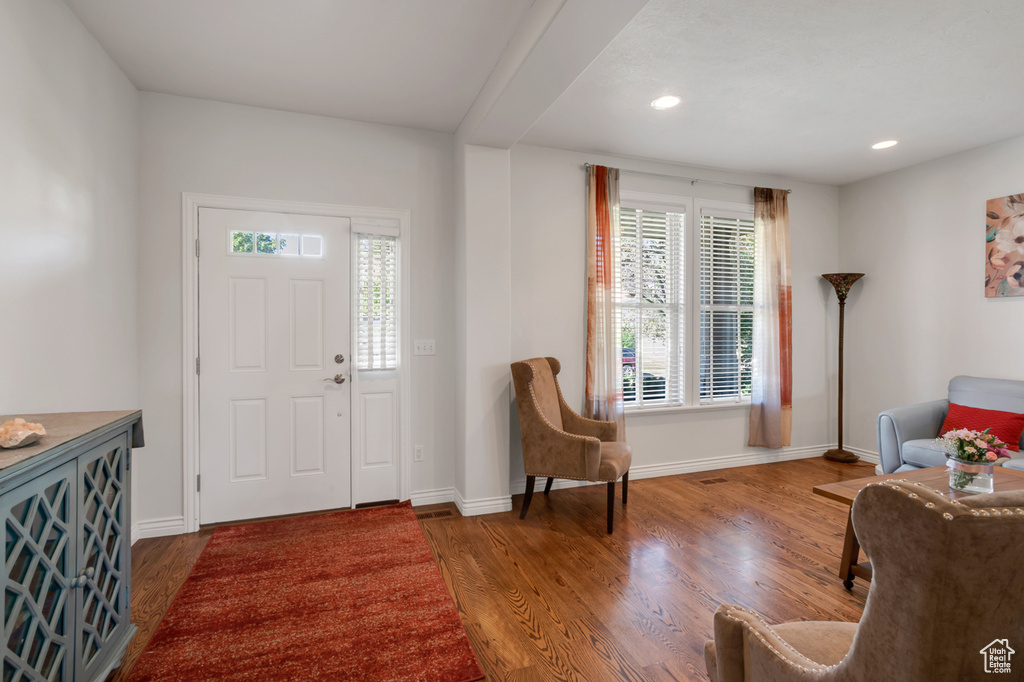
x: 273, y: 336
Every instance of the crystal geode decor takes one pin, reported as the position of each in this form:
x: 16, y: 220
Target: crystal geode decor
x: 18, y: 433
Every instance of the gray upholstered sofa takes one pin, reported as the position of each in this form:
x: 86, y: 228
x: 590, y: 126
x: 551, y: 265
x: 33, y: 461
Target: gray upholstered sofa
x: 906, y: 435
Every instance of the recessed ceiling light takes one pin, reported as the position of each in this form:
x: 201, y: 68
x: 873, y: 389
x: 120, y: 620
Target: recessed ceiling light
x: 665, y: 102
x: 885, y: 144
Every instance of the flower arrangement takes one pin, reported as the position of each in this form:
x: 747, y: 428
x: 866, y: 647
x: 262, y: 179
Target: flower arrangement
x: 973, y: 448
x: 979, y: 447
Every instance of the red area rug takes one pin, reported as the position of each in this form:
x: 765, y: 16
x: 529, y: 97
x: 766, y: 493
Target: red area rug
x: 352, y: 595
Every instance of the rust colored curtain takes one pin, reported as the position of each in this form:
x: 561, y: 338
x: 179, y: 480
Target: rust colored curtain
x: 603, y: 392
x: 771, y: 401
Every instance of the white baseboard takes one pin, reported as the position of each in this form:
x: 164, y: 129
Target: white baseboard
x: 484, y: 505
x: 866, y: 455
x: 155, y: 528
x: 436, y: 496
x: 175, y: 525
x: 690, y: 466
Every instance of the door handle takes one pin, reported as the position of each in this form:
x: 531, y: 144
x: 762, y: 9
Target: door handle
x: 338, y: 379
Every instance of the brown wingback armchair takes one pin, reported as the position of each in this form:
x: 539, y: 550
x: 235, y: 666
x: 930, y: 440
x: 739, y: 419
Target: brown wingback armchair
x: 945, y: 590
x: 557, y: 442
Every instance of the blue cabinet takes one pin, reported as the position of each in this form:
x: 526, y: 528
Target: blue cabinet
x: 67, y: 572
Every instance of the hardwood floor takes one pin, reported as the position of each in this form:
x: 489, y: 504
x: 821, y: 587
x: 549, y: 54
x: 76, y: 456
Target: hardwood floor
x: 554, y: 597
x: 159, y: 568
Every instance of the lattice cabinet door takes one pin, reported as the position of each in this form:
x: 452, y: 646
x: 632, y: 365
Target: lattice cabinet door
x: 40, y: 556
x: 102, y: 555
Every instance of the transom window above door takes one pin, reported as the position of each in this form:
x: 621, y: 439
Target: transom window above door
x: 244, y: 243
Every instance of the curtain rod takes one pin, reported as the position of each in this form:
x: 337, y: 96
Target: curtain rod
x: 693, y: 181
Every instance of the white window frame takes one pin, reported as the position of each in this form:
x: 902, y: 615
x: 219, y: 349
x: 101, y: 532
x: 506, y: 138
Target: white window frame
x: 663, y: 204
x: 375, y: 362
x: 691, y: 208
x: 729, y: 211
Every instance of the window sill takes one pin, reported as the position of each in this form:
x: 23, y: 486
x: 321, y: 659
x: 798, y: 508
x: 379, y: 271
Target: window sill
x: 686, y: 408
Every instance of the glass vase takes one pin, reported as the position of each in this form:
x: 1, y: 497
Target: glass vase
x: 969, y: 477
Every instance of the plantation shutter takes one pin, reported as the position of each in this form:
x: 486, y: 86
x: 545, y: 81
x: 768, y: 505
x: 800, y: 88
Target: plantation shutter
x: 376, y: 299
x: 726, y: 306
x: 650, y: 305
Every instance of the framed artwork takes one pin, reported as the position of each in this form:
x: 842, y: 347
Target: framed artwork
x: 1004, y: 246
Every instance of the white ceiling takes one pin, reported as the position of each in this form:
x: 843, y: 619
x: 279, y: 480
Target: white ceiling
x: 799, y: 88
x: 413, y: 63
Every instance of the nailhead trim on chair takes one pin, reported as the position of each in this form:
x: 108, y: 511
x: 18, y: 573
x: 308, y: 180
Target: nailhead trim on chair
x: 574, y: 436
x: 543, y: 417
x: 819, y: 667
x: 816, y: 668
x: 983, y: 511
x: 573, y: 478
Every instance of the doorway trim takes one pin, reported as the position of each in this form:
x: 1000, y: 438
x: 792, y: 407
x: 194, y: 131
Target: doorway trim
x: 190, y: 205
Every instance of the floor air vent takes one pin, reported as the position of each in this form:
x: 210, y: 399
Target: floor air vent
x: 712, y: 481
x: 422, y: 516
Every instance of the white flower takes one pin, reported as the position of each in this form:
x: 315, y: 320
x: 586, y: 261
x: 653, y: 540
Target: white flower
x: 1011, y: 237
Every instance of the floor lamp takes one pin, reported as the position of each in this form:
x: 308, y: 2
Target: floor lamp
x: 841, y: 281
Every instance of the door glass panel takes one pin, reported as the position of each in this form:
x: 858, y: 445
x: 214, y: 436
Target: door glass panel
x: 312, y: 245
x: 288, y: 245
x: 242, y: 242
x: 266, y: 243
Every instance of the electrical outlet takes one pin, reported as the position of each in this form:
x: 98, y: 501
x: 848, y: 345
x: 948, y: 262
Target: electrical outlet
x: 418, y: 453
x: 424, y: 347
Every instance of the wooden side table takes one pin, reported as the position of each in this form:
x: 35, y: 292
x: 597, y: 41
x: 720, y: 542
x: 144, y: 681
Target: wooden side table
x: 937, y: 478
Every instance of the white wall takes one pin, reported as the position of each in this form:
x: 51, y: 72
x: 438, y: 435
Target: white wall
x: 190, y: 145
x: 920, y: 316
x: 483, y: 319
x: 549, y: 299
x: 68, y: 144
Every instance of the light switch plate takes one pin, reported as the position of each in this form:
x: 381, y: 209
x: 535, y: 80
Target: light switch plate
x: 424, y: 347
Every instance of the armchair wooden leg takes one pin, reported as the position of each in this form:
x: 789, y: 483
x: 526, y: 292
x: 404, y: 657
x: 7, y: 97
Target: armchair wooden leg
x: 547, y: 486
x: 611, y: 504
x: 625, y: 486
x: 530, y: 480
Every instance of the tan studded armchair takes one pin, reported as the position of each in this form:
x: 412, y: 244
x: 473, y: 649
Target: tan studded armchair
x: 945, y: 600
x: 557, y: 442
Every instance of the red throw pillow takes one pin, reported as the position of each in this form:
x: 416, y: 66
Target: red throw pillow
x: 1006, y: 426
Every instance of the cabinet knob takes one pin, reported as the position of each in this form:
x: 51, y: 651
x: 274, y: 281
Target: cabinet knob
x: 83, y: 577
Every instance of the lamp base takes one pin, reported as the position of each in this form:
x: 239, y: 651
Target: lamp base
x: 840, y: 455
